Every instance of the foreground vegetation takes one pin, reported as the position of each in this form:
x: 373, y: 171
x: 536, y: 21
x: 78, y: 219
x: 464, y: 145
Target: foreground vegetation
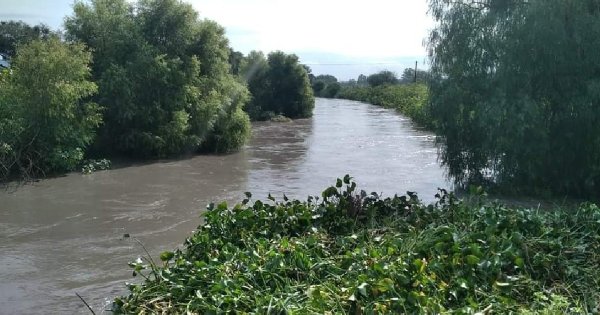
x: 409, y: 99
x: 353, y: 253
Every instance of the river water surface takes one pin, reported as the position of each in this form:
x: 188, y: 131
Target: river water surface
x: 65, y: 235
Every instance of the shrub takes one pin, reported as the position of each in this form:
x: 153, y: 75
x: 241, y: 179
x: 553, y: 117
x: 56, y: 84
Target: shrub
x: 409, y: 99
x: 353, y: 252
x: 45, y: 117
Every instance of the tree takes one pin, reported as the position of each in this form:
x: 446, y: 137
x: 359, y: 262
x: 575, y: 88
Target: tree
x: 46, y: 120
x: 326, y: 78
x: 408, y: 76
x: 164, y: 76
x: 332, y: 90
x: 236, y: 60
x: 515, y: 92
x: 362, y: 80
x: 326, y: 85
x: 255, y: 74
x: 279, y: 85
x: 311, y: 76
x: 318, y: 87
x: 14, y: 33
x: 381, y: 78
x: 291, y: 94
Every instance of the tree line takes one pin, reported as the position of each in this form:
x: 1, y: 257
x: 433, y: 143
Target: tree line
x: 408, y: 94
x: 328, y: 86
x: 147, y: 79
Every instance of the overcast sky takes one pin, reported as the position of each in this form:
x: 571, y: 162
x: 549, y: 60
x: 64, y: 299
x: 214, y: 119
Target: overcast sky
x: 343, y: 38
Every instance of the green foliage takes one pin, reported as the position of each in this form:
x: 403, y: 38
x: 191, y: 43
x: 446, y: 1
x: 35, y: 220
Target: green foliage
x: 14, y: 33
x: 164, y: 77
x: 362, y: 80
x: 382, y: 78
x: 410, y: 100
x: 332, y: 90
x: 515, y: 93
x: 350, y: 252
x: 279, y: 85
x: 326, y: 86
x: 231, y: 132
x: 46, y: 121
x: 318, y: 87
x: 236, y: 62
x: 91, y: 166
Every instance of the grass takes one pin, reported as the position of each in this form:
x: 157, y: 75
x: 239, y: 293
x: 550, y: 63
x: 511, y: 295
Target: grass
x: 350, y: 252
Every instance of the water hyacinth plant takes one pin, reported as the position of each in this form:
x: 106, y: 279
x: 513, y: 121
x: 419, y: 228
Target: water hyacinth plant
x: 350, y: 252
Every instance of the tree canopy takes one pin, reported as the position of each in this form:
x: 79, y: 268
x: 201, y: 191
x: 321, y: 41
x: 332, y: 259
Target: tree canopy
x: 515, y: 92
x: 381, y: 78
x: 46, y: 119
x: 279, y: 84
x: 326, y: 85
x: 164, y: 77
x: 14, y: 33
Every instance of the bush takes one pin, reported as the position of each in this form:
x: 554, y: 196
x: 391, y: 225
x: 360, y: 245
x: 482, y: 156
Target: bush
x: 351, y: 252
x: 382, y: 78
x: 46, y: 121
x: 231, y: 133
x: 164, y: 77
x: 279, y: 85
x: 410, y: 99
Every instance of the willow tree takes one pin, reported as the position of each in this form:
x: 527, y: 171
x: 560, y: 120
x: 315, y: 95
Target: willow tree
x: 516, y: 92
x: 163, y: 76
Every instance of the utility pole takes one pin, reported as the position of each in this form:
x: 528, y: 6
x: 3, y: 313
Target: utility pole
x: 416, y: 63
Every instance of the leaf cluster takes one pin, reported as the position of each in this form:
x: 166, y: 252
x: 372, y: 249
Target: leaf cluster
x: 350, y: 252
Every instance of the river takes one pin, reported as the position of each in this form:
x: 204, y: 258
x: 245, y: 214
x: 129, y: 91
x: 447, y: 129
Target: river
x: 64, y: 235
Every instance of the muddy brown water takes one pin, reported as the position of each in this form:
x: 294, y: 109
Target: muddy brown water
x: 65, y: 235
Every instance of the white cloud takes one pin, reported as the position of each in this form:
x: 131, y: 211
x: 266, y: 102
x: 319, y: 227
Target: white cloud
x: 370, y: 35
x: 368, y: 28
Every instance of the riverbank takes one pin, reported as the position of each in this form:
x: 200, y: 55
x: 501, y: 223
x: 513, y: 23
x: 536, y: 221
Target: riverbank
x: 352, y: 252
x: 65, y: 234
x: 408, y: 99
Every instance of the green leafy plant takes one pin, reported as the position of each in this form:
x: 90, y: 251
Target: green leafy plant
x: 90, y: 166
x: 352, y: 252
x: 46, y: 118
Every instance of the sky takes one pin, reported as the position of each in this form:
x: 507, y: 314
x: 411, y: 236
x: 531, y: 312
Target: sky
x: 342, y: 38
